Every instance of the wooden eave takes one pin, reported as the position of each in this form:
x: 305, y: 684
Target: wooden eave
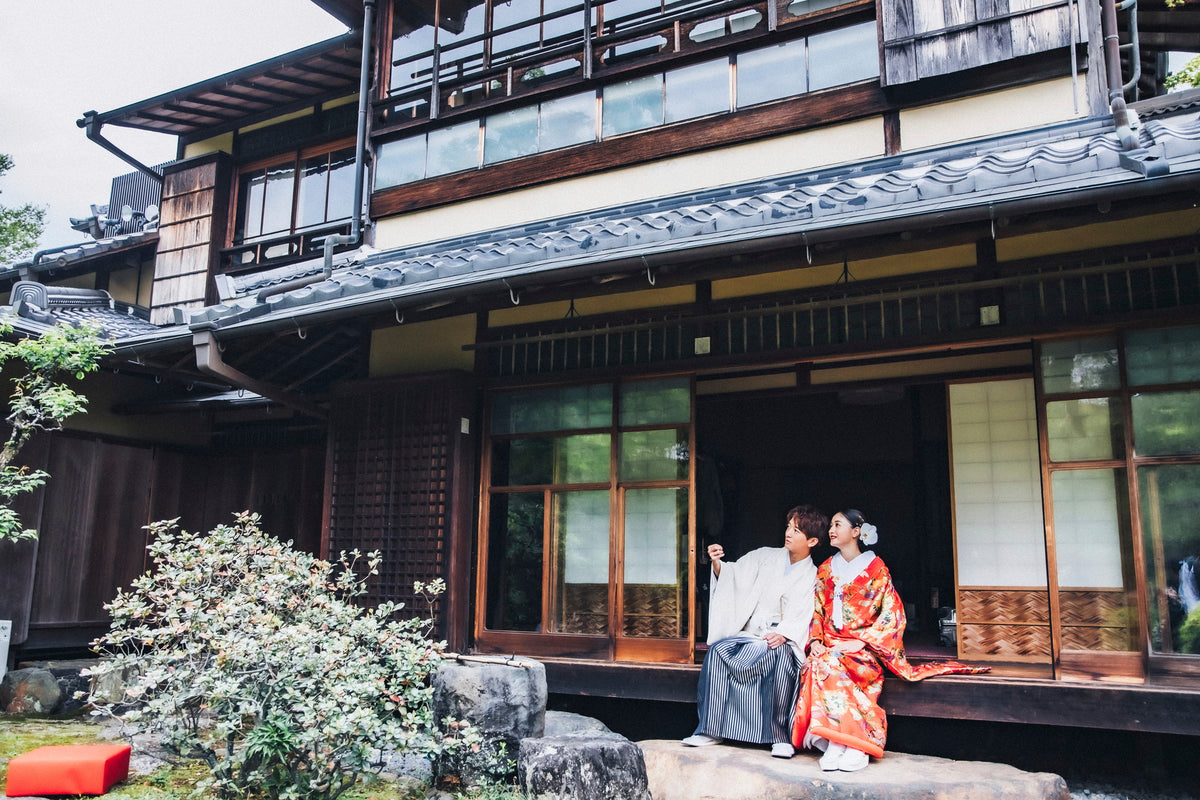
x: 300, y: 79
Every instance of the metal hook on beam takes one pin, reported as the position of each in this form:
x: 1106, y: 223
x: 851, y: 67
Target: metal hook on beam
x: 649, y: 272
x: 512, y: 295
x: 397, y: 312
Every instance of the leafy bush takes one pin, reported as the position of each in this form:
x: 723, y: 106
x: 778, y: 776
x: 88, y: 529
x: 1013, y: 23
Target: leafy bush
x: 254, y: 657
x: 41, y: 400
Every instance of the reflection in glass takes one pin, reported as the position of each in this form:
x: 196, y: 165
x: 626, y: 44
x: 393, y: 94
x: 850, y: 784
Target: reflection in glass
x: 632, y: 105
x: 1096, y: 602
x: 510, y: 135
x: 514, y: 591
x: 580, y: 600
x: 656, y: 402
x: 453, y: 149
x: 660, y: 455
x: 1080, y: 365
x: 558, y: 408
x: 800, y: 7
x: 843, y: 55
x: 1170, y: 505
x: 697, y: 91
x: 546, y: 460
x: 326, y: 188
x: 1083, y: 430
x: 277, y: 202
x: 401, y: 161
x: 771, y: 73
x: 567, y: 121
x: 409, y: 66
x: 655, y: 560
x: 250, y: 198
x: 1165, y: 355
x: 1166, y: 423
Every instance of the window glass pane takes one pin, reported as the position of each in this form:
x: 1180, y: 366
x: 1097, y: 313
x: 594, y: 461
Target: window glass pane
x: 1000, y: 536
x: 581, y: 526
x: 1089, y: 429
x: 844, y: 55
x: 411, y: 59
x: 514, y: 595
x: 656, y: 402
x: 250, y: 197
x: 568, y: 26
x: 1170, y: 502
x: 1080, y: 365
x: 341, y: 185
x: 654, y: 455
x: 617, y: 9
x: 800, y: 7
x: 462, y: 20
x: 1166, y: 423
x: 698, y: 90
x: 771, y: 73
x: 453, y: 149
x: 510, y: 135
x: 551, y: 460
x: 277, y: 204
x: 1169, y: 355
x: 633, y: 105
x: 559, y: 408
x: 314, y: 181
x: 1096, y: 606
x: 398, y: 162
x: 525, y: 37
x: 655, y: 562
x: 567, y: 121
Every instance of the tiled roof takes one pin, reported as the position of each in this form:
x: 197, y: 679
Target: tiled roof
x: 93, y: 248
x: 51, y: 305
x: 1059, y: 161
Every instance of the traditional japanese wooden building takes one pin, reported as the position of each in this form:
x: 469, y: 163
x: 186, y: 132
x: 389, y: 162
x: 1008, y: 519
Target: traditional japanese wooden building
x: 542, y: 296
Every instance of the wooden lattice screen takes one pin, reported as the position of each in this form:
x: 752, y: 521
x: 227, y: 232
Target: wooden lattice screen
x: 391, y: 461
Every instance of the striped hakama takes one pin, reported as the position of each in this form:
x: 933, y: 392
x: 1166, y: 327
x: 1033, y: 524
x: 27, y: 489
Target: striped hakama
x: 748, y: 691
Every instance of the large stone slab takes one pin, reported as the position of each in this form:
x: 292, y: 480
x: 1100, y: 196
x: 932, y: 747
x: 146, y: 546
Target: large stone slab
x: 729, y: 772
x: 585, y: 765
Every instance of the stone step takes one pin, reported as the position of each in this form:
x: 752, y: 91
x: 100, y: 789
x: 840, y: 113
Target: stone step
x: 748, y: 772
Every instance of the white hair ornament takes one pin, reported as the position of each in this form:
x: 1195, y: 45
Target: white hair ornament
x: 869, y: 535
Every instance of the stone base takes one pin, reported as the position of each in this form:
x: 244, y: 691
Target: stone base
x: 748, y: 772
x: 586, y: 765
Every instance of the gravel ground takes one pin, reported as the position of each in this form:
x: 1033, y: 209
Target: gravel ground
x: 1088, y: 790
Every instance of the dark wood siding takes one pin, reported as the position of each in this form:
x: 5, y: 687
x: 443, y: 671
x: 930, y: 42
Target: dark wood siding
x: 91, y: 512
x: 925, y: 38
x: 399, y: 482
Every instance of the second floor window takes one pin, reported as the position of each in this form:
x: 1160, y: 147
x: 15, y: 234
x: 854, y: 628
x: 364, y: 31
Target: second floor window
x: 294, y: 193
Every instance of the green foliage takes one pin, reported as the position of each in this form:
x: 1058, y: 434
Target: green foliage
x: 41, y: 399
x: 20, y: 227
x: 254, y: 658
x: 1186, y: 77
x: 1189, y: 633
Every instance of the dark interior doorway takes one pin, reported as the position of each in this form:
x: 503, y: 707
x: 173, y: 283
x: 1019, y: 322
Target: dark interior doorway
x: 882, y: 450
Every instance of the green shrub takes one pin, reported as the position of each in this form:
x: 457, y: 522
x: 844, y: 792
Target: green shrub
x: 255, y: 658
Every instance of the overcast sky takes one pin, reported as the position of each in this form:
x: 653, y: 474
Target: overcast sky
x: 60, y: 58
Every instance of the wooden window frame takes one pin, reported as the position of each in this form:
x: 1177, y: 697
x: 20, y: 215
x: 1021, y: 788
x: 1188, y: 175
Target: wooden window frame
x: 301, y: 241
x: 1142, y: 663
x: 613, y: 645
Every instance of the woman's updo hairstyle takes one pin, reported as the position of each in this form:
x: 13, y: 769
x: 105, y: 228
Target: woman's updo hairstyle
x: 867, y: 533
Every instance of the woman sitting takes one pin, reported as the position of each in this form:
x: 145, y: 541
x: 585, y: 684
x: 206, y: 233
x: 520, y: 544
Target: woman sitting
x: 857, y: 630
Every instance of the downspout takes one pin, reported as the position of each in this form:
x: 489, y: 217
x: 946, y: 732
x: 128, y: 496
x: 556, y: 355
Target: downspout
x: 91, y: 126
x: 1133, y: 156
x: 356, y: 221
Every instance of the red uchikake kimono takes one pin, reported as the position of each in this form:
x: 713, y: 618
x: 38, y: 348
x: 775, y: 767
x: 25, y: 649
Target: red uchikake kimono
x: 839, y: 691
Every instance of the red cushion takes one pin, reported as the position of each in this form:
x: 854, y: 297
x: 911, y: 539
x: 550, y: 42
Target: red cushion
x: 68, y: 769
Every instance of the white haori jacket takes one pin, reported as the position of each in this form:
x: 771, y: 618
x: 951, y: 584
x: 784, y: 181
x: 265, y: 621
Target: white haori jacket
x: 753, y: 596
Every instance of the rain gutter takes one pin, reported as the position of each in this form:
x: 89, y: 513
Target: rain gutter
x: 1133, y: 156
x: 91, y: 125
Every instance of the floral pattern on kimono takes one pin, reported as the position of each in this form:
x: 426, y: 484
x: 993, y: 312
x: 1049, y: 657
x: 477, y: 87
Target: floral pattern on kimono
x: 839, y: 688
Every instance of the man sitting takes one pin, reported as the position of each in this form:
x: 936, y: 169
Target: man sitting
x: 760, y: 608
